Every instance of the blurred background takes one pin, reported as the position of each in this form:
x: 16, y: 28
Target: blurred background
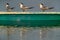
x: 29, y: 3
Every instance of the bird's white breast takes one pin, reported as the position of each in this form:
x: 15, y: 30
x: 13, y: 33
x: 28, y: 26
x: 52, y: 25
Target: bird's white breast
x: 21, y: 6
x: 41, y: 6
x: 7, y: 5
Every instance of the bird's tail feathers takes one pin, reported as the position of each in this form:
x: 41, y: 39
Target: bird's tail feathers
x: 31, y: 7
x: 51, y: 7
x: 12, y: 8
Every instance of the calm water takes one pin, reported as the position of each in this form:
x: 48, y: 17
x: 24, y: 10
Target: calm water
x: 32, y: 34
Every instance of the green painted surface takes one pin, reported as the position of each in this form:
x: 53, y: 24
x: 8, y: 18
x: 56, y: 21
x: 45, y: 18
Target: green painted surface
x: 30, y: 20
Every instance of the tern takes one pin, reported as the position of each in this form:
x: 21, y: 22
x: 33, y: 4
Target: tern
x: 8, y: 8
x: 23, y: 7
x: 43, y: 7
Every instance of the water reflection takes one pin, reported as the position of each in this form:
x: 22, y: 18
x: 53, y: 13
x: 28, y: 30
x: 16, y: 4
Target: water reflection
x: 30, y: 34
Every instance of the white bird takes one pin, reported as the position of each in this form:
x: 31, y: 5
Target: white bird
x: 8, y: 8
x: 23, y: 7
x: 43, y: 7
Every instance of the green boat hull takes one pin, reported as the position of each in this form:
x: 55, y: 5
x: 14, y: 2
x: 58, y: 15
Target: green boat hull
x: 30, y: 20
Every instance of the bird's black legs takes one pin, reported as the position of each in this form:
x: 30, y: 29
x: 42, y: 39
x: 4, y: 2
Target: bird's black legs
x: 43, y: 10
x: 23, y: 10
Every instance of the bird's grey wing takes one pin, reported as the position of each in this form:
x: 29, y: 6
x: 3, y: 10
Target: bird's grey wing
x: 8, y: 7
x: 26, y: 7
x: 45, y: 7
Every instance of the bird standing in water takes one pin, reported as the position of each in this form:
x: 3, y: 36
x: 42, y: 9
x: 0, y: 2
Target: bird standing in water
x: 23, y: 7
x: 43, y: 7
x: 8, y: 8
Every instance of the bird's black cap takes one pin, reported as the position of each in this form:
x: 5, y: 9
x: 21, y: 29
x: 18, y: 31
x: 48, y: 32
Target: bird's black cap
x: 7, y: 3
x: 41, y: 3
x: 21, y: 2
